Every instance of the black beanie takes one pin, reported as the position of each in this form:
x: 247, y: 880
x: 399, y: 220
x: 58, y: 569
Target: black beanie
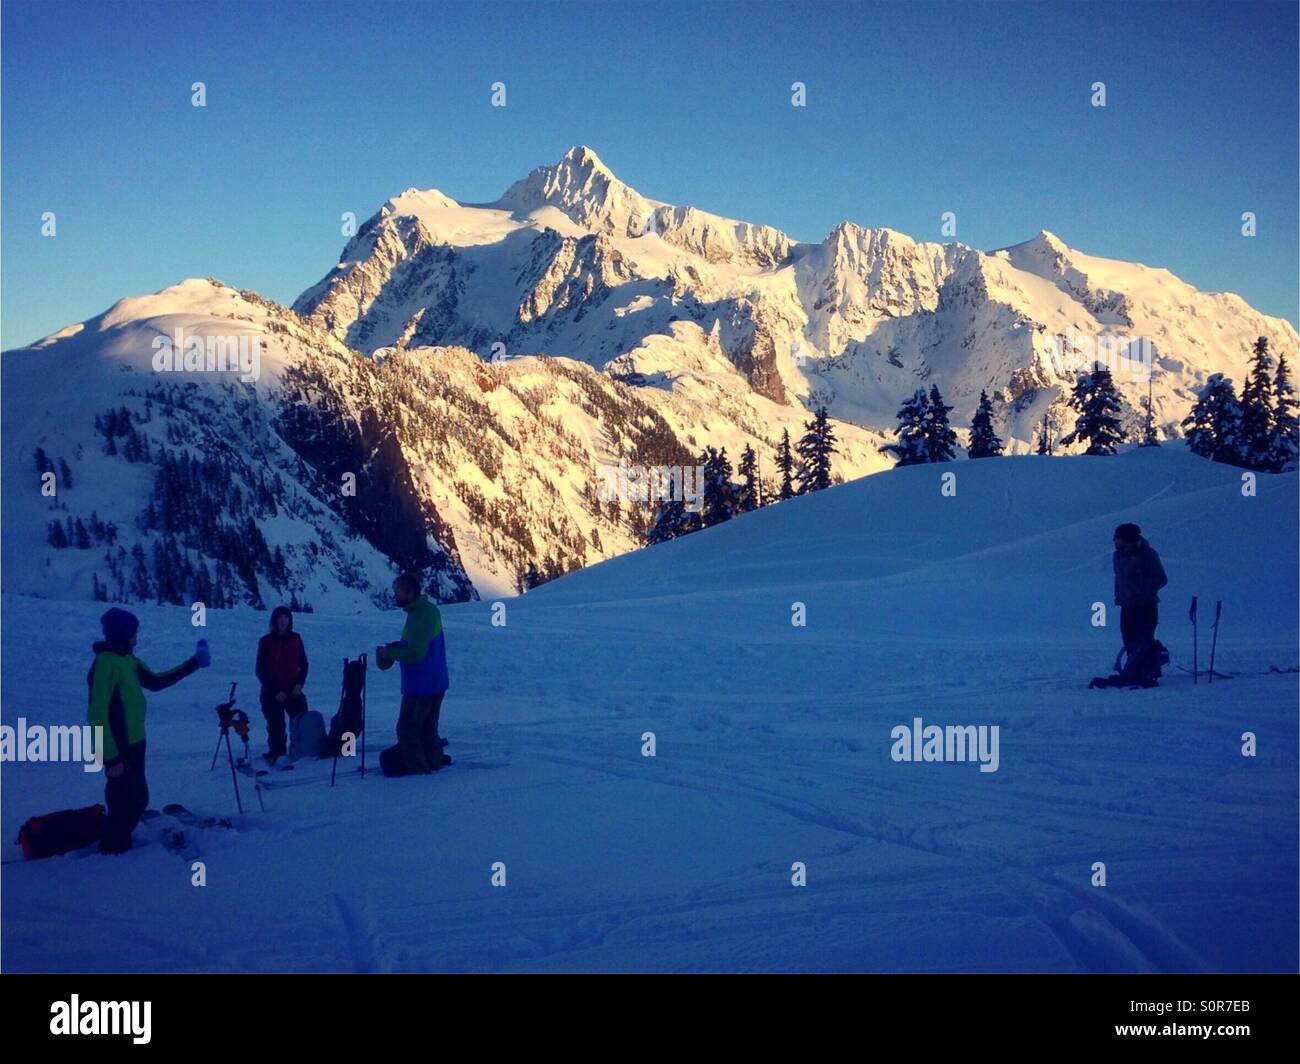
x: 1129, y: 533
x: 119, y: 625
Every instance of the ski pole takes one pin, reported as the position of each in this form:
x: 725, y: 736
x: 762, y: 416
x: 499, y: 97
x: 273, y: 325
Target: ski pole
x: 1214, y: 639
x: 1191, y: 615
x: 343, y: 688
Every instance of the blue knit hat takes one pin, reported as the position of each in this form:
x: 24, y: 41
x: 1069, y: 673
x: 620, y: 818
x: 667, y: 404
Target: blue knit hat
x: 119, y: 625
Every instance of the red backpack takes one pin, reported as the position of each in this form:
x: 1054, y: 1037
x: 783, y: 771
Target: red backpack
x: 61, y: 832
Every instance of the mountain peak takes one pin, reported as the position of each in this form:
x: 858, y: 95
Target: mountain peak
x: 1047, y: 241
x: 581, y: 157
x: 414, y: 200
x: 582, y: 187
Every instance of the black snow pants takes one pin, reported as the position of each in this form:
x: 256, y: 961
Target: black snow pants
x: 273, y: 711
x: 1137, y: 625
x: 417, y: 733
x: 127, y: 797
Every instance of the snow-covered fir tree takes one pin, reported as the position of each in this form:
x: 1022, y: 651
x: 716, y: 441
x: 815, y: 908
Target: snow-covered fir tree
x: 748, y: 472
x: 1257, y: 410
x: 940, y: 439
x: 984, y: 442
x: 785, y: 466
x: 1149, y: 438
x: 1096, y: 401
x: 815, y: 450
x: 1286, y: 430
x: 671, y: 521
x: 531, y: 578
x: 720, y: 501
x: 1043, y: 440
x: 910, y: 448
x: 1213, y: 428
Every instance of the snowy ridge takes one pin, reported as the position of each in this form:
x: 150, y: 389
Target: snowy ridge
x: 857, y: 321
x: 471, y: 470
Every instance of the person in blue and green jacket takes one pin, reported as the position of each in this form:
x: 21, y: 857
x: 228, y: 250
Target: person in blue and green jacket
x: 422, y: 654
x: 117, y: 681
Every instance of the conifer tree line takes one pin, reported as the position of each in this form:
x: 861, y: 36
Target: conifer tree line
x: 801, y: 469
x: 1256, y: 431
x: 926, y: 435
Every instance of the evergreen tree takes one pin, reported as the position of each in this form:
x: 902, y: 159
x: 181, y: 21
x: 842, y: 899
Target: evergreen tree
x: 56, y: 537
x: 65, y: 474
x: 1214, y: 425
x: 940, y: 440
x: 80, y: 537
x: 667, y: 522
x: 748, y: 471
x: 1257, y: 411
x: 1044, y: 444
x: 1286, y: 431
x: 815, y: 450
x: 532, y: 577
x: 672, y: 521
x: 785, y: 466
x: 719, y: 494
x: 910, y: 448
x: 1149, y: 424
x: 1096, y: 401
x: 203, y: 584
x: 140, y: 582
x: 42, y: 461
x: 984, y: 442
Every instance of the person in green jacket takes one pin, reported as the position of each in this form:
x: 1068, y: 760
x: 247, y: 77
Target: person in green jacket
x: 118, y: 680
x: 422, y: 653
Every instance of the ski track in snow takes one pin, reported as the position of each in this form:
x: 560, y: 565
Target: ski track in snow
x: 773, y: 747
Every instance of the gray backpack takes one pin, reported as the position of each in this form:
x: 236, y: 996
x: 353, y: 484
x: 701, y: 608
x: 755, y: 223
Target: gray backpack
x: 307, y: 735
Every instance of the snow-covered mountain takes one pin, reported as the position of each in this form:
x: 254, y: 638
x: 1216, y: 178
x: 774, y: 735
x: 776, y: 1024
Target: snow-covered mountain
x: 572, y: 261
x: 333, y: 469
x: 401, y: 417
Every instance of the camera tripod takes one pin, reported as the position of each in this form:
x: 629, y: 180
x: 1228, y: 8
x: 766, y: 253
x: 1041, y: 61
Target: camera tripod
x: 229, y: 717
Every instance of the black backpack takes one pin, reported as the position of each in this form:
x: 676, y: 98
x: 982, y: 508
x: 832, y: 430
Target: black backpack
x: 1142, y: 667
x: 351, y: 716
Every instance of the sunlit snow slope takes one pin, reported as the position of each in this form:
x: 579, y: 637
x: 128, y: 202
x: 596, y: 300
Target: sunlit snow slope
x: 773, y: 747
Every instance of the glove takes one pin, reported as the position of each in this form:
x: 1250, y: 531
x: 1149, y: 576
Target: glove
x: 201, y: 653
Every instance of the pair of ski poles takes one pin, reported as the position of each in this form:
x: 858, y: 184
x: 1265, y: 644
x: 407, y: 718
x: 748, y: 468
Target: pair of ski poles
x: 1214, y: 642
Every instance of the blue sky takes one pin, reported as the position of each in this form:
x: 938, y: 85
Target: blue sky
x: 913, y: 109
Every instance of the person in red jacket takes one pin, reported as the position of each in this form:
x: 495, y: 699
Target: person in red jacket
x: 282, y: 671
